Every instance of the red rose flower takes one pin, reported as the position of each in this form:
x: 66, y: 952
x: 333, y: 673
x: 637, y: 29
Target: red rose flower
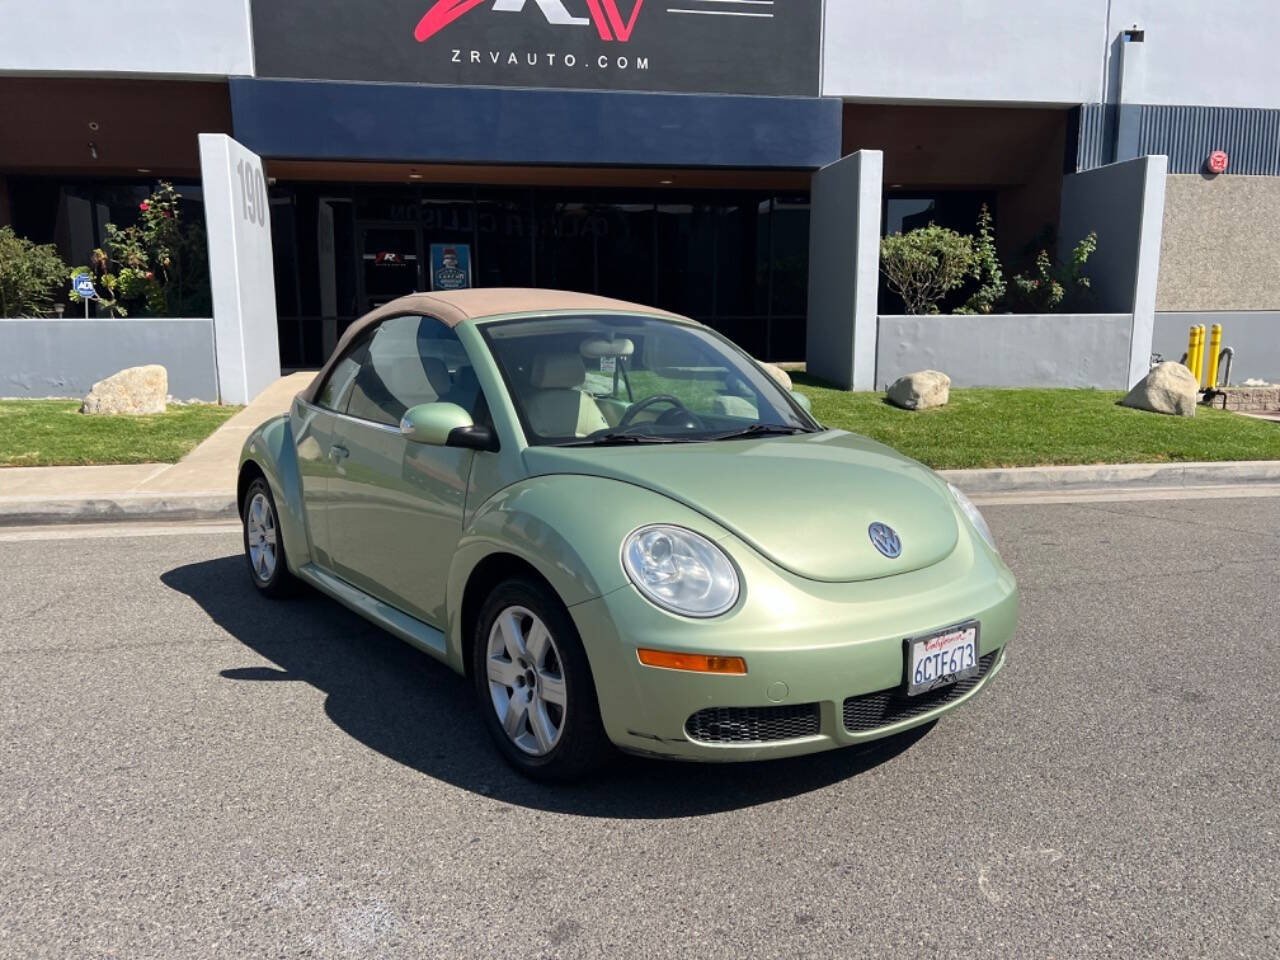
x: 150, y: 275
x: 144, y: 206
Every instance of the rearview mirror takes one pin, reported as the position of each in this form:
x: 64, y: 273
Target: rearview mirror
x: 445, y: 425
x: 801, y: 399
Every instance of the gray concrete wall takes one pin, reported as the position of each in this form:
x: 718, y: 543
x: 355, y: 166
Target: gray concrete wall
x: 210, y: 38
x: 980, y: 50
x: 1219, y: 54
x: 1051, y: 51
x: 844, y: 270
x: 1124, y: 204
x: 64, y: 358
x: 1221, y: 244
x: 1253, y: 335
x: 1008, y: 350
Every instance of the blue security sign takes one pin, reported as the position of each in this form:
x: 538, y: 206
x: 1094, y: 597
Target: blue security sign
x: 82, y: 283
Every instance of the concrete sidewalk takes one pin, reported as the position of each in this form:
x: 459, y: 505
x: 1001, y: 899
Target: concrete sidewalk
x: 202, y: 486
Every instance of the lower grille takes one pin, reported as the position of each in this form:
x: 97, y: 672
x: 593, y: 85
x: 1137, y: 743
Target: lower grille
x: 874, y: 710
x: 753, y: 724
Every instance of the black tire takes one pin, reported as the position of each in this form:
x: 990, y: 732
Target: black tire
x: 582, y: 746
x: 272, y: 579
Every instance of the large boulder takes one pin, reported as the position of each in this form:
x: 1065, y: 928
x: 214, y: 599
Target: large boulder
x: 775, y: 371
x: 921, y: 390
x: 1168, y: 388
x: 136, y: 390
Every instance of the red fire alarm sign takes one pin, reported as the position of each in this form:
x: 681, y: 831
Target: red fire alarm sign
x: 1217, y: 162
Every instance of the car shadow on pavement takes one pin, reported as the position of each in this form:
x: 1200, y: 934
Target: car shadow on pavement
x: 400, y: 702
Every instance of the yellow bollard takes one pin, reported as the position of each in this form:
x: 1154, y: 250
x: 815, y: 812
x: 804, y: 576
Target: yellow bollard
x: 1200, y: 355
x: 1191, y: 348
x: 1215, y: 347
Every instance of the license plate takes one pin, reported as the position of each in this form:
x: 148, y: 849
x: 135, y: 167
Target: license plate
x: 942, y: 658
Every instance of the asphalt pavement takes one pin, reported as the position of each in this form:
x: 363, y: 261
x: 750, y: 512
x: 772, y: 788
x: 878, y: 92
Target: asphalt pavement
x: 188, y: 770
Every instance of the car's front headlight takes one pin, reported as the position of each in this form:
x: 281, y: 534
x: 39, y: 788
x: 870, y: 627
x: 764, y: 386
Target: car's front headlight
x: 680, y: 570
x: 970, y: 511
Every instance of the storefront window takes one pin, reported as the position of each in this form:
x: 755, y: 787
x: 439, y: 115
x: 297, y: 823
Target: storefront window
x: 686, y: 258
x: 567, y: 229
x: 625, y: 261
x: 504, y: 239
x: 736, y: 261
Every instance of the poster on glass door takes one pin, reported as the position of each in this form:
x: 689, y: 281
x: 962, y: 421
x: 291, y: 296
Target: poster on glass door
x: 450, y: 266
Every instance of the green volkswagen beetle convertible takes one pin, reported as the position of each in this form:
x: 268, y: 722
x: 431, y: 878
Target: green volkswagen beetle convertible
x: 624, y: 532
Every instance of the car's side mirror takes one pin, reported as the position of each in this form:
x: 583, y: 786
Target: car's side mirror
x: 801, y: 399
x: 445, y: 425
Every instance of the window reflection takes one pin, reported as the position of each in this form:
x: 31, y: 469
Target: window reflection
x: 737, y: 261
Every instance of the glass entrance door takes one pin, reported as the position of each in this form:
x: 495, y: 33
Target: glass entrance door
x: 391, y: 264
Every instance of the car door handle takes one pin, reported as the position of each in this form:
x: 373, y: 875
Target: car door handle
x: 338, y: 453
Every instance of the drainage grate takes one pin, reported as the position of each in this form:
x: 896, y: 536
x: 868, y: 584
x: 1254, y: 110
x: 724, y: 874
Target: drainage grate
x: 753, y: 724
x: 874, y: 710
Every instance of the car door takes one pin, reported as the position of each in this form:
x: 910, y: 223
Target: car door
x: 396, y: 507
x: 320, y: 453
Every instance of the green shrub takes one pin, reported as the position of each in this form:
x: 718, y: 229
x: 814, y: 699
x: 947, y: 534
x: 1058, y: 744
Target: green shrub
x: 923, y: 265
x: 986, y: 269
x: 1045, y: 287
x: 31, y: 274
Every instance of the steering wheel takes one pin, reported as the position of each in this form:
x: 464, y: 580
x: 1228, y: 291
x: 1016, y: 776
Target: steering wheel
x: 691, y: 419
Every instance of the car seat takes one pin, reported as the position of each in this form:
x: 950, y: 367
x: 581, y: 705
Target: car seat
x: 557, y: 406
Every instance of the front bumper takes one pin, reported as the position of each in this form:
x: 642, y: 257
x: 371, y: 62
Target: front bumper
x: 810, y: 647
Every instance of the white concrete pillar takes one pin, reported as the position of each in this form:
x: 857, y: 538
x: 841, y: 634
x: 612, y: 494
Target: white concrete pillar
x: 844, y: 270
x: 241, y: 268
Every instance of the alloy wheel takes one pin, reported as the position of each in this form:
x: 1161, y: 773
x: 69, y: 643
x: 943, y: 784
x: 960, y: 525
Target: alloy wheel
x: 526, y: 680
x: 260, y: 533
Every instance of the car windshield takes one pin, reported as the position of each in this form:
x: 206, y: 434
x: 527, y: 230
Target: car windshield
x: 614, y: 379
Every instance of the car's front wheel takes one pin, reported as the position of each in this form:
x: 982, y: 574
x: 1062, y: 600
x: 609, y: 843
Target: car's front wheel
x: 534, y: 684
x: 263, y: 544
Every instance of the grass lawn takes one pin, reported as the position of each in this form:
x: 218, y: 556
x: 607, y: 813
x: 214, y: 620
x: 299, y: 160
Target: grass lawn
x: 47, y: 433
x: 1019, y: 428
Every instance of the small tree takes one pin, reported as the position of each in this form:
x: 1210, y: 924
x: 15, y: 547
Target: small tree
x: 923, y: 265
x: 1044, y: 288
x: 986, y: 269
x: 30, y: 275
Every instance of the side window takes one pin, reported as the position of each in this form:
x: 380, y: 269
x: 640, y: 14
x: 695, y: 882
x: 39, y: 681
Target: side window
x: 333, y: 395
x: 407, y: 361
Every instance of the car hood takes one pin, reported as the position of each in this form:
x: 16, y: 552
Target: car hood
x: 803, y: 501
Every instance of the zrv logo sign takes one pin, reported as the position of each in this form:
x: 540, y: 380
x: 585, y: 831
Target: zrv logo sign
x: 688, y: 46
x: 604, y: 15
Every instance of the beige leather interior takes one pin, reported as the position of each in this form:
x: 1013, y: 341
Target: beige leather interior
x: 558, y: 407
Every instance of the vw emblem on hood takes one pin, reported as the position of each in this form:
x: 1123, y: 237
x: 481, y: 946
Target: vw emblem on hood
x: 885, y: 539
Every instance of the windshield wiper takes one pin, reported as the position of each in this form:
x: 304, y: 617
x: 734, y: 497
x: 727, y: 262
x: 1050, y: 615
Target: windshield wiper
x: 761, y: 430
x: 615, y: 438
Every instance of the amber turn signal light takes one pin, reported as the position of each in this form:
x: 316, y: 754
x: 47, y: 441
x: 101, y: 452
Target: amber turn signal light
x: 697, y: 662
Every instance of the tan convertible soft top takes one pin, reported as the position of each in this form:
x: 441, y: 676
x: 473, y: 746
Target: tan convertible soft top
x: 453, y: 307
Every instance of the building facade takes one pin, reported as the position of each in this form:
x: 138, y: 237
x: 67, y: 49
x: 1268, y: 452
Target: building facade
x: 656, y: 150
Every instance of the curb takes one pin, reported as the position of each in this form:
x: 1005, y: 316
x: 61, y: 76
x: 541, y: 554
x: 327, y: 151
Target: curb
x: 1133, y: 477
x: 1104, y: 475
x: 32, y: 511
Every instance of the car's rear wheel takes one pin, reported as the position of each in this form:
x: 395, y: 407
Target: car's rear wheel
x: 534, y: 684
x: 263, y: 544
